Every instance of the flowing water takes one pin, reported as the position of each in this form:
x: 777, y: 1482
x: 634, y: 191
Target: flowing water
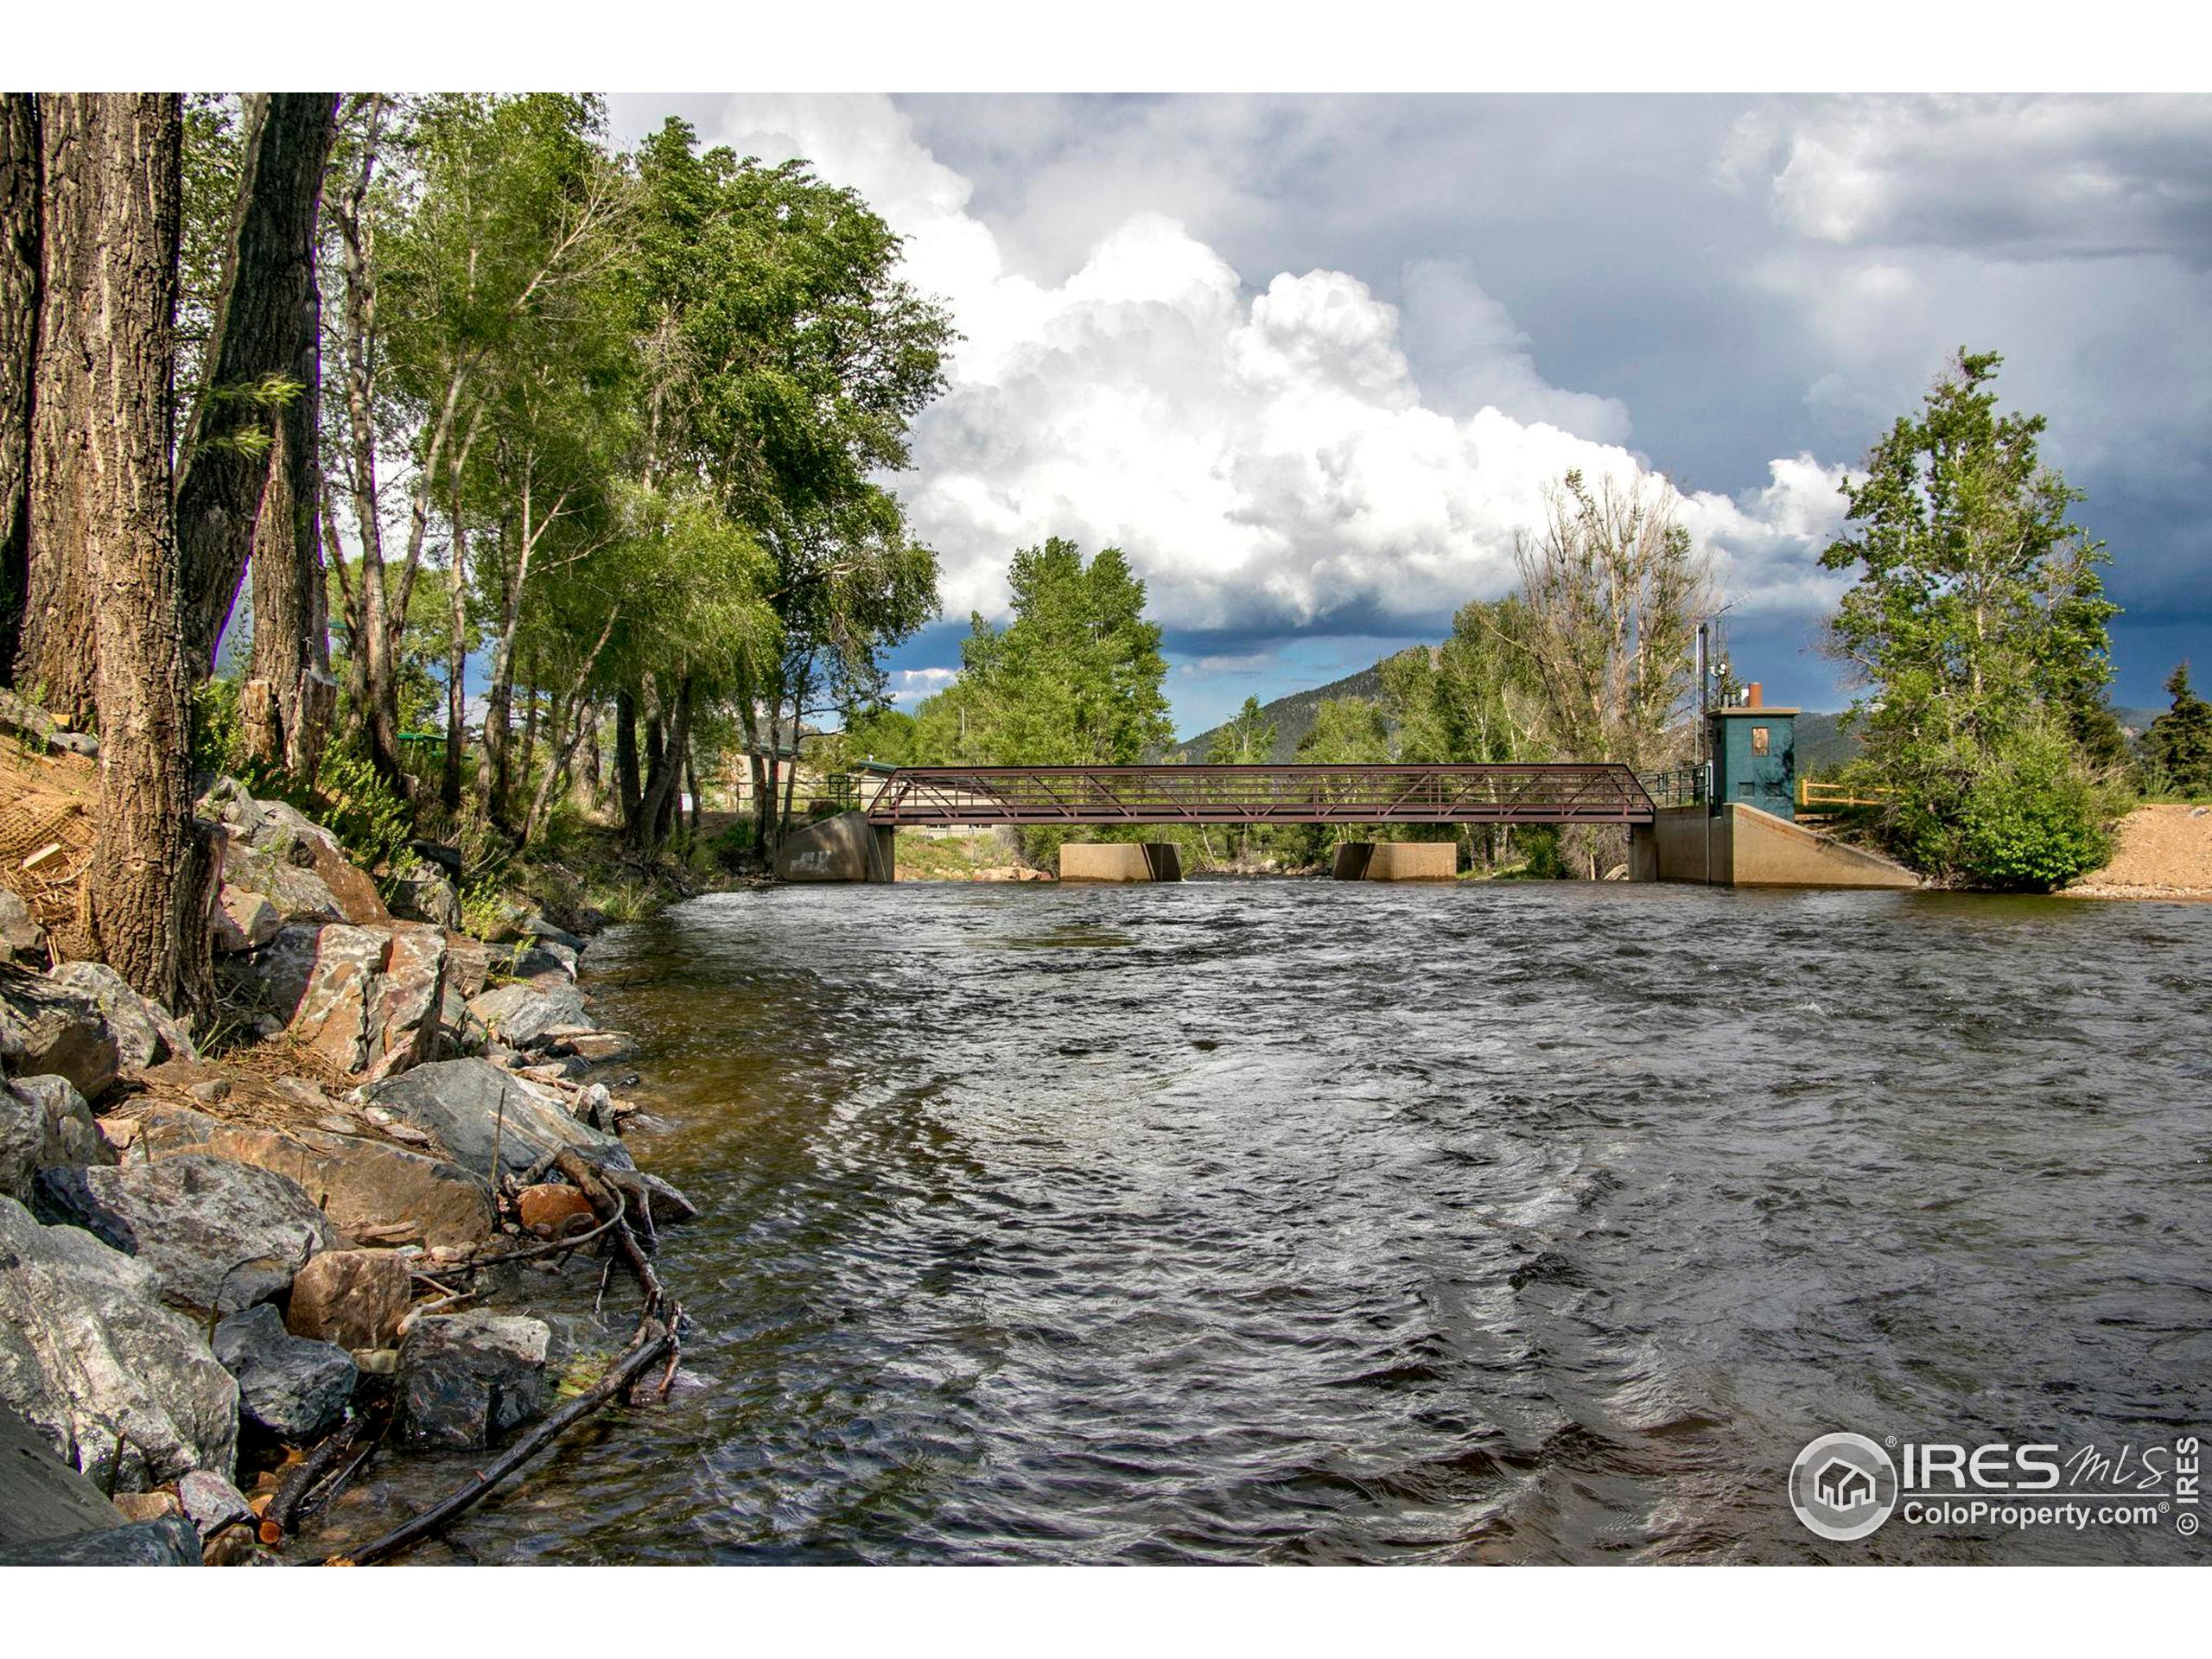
x: 1292, y: 1221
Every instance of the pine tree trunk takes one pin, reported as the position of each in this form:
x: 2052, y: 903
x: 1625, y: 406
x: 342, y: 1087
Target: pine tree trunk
x: 291, y: 619
x: 149, y: 872
x: 267, y: 328
x: 52, y: 663
x: 20, y: 168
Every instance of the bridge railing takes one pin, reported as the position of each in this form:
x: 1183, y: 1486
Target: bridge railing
x: 1262, y: 794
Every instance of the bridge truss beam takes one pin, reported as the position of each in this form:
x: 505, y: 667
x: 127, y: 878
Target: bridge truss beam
x: 917, y: 795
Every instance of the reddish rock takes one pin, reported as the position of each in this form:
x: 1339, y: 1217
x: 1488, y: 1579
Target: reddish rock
x: 553, y: 1211
x: 353, y: 1298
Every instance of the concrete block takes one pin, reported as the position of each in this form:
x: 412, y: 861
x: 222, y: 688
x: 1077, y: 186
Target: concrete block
x: 846, y: 848
x: 1397, y: 861
x: 1155, y: 860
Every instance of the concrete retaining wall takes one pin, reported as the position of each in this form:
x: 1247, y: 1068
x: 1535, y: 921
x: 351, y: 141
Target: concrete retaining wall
x: 846, y: 848
x: 1742, y: 847
x: 1121, y: 860
x: 1397, y: 861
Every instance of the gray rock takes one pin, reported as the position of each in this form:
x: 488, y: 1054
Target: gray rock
x: 210, y: 1502
x: 88, y: 1351
x: 466, y: 1380
x: 522, y: 1016
x: 48, y: 1031
x: 427, y: 896
x: 44, y: 1124
x: 42, y: 1496
x: 295, y: 1389
x: 169, y: 1542
x: 545, y: 933
x: 82, y: 743
x: 244, y: 920
x: 219, y: 1236
x: 467, y: 1104
x: 146, y: 1033
x: 364, y: 1187
x: 22, y: 941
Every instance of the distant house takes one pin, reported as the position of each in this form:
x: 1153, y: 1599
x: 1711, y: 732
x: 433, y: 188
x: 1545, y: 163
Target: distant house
x: 1843, y: 1485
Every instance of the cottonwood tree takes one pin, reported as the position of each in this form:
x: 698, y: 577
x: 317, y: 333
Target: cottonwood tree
x: 457, y: 222
x: 1076, y: 677
x: 1611, y: 590
x: 1977, y: 628
x: 785, y: 361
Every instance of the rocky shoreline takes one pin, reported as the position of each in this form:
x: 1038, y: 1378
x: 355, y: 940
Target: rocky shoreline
x: 229, y: 1277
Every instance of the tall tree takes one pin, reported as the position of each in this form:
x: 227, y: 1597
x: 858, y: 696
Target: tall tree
x: 20, y: 170
x: 785, y: 360
x: 1611, y: 590
x: 1077, y: 678
x: 1248, y: 740
x: 263, y: 371
x: 2179, y: 743
x: 112, y: 163
x: 1977, y: 626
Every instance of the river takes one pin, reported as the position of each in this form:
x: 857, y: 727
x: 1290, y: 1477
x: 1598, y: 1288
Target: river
x: 1295, y: 1221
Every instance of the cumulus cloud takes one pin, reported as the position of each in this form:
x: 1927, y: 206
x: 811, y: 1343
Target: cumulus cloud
x: 1266, y: 455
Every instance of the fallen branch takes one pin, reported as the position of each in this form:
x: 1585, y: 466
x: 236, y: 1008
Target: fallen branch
x: 654, y: 1343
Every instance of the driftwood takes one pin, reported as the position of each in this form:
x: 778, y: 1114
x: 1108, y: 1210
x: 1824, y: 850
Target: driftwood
x: 658, y: 1341
x: 323, y: 1473
x: 655, y: 1342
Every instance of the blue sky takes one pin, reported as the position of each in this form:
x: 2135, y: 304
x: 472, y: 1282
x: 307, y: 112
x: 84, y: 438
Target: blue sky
x: 1310, y: 362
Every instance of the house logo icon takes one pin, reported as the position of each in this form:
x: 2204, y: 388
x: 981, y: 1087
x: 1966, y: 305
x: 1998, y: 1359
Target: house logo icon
x: 1843, y: 1486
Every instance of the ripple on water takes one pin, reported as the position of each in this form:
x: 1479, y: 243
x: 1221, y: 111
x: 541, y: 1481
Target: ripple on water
x: 1280, y: 1221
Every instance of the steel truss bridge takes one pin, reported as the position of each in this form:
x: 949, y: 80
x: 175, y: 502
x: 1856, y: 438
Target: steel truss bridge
x: 917, y: 796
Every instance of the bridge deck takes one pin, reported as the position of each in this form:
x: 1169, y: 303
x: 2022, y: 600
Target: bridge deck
x: 1382, y: 794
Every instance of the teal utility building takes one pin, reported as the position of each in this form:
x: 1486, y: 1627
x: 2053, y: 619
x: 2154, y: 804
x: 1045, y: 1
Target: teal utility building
x: 1755, y: 756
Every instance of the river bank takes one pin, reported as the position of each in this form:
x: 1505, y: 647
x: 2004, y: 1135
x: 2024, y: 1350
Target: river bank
x: 343, y: 1225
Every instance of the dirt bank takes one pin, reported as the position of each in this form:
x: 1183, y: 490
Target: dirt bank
x: 2164, y: 852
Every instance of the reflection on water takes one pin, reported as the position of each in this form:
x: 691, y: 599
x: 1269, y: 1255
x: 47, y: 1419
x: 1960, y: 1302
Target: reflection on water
x: 1297, y: 1222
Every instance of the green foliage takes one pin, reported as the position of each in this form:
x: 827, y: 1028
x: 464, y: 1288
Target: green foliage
x: 731, y: 847
x: 1075, y: 679
x: 1474, y: 698
x: 1347, y: 732
x: 1247, y: 740
x: 882, y: 734
x: 1978, y: 623
x: 2026, y: 816
x: 2179, y: 745
x: 345, y: 796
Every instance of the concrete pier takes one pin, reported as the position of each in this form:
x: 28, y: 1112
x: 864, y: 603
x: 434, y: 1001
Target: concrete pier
x: 1397, y: 861
x: 1738, y: 846
x: 1121, y: 860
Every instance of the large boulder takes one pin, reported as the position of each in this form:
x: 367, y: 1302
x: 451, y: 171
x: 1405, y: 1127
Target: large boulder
x: 146, y: 1033
x: 44, y: 1124
x: 365, y: 999
x: 22, y: 941
x: 169, y: 1542
x: 92, y: 1359
x: 219, y: 1236
x: 353, y: 1298
x: 466, y: 1380
x: 293, y: 1387
x: 367, y: 1189
x: 269, y: 838
x: 42, y: 1496
x: 423, y: 894
x: 470, y: 1104
x: 46, y: 1030
x: 526, y: 1016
